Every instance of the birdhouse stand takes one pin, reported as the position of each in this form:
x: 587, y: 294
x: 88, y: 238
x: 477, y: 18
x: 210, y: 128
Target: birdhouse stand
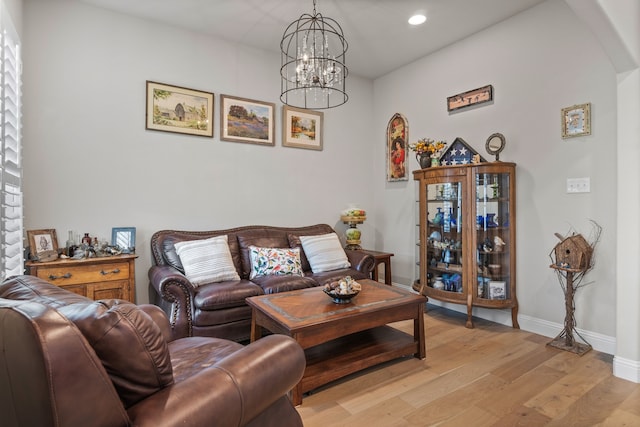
x: 571, y: 260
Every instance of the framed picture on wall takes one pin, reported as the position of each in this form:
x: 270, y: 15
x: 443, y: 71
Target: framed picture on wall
x: 576, y: 120
x: 301, y: 128
x: 247, y: 120
x: 397, y: 153
x: 178, y: 109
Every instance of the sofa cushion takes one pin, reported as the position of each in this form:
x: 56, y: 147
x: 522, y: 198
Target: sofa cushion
x: 215, y: 296
x: 129, y: 344
x: 189, y: 356
x: 274, y: 261
x: 207, y: 260
x: 284, y: 283
x: 324, y: 252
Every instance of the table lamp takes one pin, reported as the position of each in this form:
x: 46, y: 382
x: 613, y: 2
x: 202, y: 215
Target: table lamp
x: 353, y: 217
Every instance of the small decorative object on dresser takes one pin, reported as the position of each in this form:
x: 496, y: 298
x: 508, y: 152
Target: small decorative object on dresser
x: 124, y: 238
x: 43, y: 244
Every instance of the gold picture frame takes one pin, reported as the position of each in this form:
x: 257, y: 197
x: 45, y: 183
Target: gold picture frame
x: 43, y: 244
x: 302, y: 128
x: 247, y: 120
x: 576, y: 120
x: 179, y: 109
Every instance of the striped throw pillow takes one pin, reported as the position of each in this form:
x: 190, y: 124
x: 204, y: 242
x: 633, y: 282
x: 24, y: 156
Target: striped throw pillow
x: 324, y: 252
x: 207, y: 260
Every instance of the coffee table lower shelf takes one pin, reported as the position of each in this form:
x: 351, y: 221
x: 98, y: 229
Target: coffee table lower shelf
x: 352, y: 353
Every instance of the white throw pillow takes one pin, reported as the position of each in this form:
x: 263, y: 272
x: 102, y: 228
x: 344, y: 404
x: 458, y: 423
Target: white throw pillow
x: 207, y: 260
x: 324, y: 252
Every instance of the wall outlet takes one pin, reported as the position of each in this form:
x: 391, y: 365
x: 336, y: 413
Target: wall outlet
x: 578, y: 185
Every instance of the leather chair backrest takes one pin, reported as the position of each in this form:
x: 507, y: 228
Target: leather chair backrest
x: 129, y: 344
x: 49, y: 374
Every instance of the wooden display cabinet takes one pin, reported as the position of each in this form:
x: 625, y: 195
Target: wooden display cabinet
x: 467, y: 235
x: 95, y: 278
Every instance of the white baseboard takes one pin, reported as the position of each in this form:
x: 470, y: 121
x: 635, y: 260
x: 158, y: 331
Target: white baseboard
x: 626, y: 369
x: 599, y: 342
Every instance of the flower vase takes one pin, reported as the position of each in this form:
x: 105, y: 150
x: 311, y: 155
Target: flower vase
x: 424, y: 160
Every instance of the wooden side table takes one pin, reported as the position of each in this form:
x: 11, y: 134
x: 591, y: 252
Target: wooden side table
x: 95, y: 278
x: 381, y: 258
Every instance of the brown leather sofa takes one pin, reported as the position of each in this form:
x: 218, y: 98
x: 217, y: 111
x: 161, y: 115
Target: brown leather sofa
x: 66, y: 360
x: 219, y: 309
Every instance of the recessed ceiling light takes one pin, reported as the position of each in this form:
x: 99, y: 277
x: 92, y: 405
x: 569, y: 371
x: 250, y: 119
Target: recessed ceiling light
x: 417, y: 19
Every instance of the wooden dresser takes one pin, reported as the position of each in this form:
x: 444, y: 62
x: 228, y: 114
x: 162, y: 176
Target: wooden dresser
x: 95, y: 278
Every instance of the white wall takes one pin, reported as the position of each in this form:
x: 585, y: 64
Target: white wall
x: 538, y: 62
x: 90, y: 165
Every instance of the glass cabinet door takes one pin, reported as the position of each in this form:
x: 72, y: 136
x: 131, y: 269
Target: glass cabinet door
x: 493, y: 236
x: 444, y: 234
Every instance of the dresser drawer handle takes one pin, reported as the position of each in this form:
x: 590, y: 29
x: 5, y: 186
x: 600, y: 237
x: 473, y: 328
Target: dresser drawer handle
x: 65, y: 276
x: 104, y: 273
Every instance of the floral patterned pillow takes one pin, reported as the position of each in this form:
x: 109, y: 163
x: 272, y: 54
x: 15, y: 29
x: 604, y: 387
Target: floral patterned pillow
x: 274, y: 261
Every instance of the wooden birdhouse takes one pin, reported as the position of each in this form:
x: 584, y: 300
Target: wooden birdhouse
x: 574, y: 253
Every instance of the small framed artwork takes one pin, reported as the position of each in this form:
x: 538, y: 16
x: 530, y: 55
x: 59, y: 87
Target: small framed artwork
x: 43, y: 244
x: 397, y: 153
x: 497, y: 290
x: 576, y: 120
x: 124, y: 238
x: 301, y: 128
x: 471, y: 97
x: 178, y: 109
x: 247, y: 120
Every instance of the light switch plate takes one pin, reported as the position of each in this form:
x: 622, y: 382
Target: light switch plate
x: 578, y: 185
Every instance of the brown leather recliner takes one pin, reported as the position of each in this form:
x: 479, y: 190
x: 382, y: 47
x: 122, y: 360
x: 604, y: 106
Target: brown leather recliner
x: 66, y: 360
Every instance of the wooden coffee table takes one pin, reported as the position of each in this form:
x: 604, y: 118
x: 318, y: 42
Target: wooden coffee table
x: 340, y: 339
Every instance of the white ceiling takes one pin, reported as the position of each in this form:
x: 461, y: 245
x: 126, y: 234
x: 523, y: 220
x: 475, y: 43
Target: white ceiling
x: 380, y: 39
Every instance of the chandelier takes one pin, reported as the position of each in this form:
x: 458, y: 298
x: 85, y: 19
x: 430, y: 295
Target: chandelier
x: 313, y: 70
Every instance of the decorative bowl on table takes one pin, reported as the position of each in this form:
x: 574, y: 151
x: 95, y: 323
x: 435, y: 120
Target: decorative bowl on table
x: 343, y: 290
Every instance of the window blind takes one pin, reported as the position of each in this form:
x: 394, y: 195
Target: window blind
x: 11, y: 212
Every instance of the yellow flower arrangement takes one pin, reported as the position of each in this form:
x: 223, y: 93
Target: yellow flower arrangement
x: 427, y: 145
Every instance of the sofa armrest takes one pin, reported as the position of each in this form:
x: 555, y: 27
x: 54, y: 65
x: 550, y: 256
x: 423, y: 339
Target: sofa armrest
x: 361, y: 261
x: 243, y: 388
x: 175, y: 292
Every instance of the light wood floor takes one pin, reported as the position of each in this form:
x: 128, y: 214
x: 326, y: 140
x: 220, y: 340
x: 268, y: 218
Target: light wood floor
x: 491, y: 375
